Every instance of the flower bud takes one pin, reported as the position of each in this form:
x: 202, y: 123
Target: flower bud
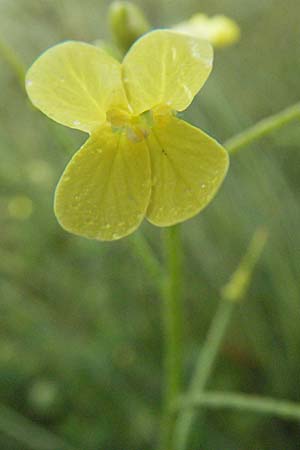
x: 220, y: 31
x: 127, y: 23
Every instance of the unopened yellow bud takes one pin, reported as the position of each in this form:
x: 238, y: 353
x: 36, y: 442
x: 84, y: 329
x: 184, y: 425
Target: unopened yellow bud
x: 220, y: 31
x: 127, y: 23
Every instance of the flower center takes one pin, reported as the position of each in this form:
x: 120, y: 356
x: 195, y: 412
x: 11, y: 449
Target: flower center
x: 137, y: 128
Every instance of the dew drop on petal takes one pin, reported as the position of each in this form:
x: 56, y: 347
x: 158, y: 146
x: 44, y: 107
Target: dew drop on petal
x: 195, y: 51
x: 187, y: 91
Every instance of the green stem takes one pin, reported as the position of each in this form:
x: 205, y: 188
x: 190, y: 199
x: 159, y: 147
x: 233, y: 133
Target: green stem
x: 234, y: 291
x: 143, y: 250
x: 262, y: 128
x: 263, y: 405
x: 173, y: 331
x: 14, y: 61
x: 203, y: 370
x: 31, y: 435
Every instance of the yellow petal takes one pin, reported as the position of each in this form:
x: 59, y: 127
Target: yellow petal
x: 105, y: 189
x: 188, y: 168
x: 165, y: 67
x: 75, y: 83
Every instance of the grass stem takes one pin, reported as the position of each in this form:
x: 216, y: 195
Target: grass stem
x: 245, y: 402
x: 234, y: 291
x: 28, y: 433
x: 13, y: 60
x: 173, y: 331
x: 263, y: 128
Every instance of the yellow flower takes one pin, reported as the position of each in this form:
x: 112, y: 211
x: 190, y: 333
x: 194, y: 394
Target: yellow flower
x: 140, y: 159
x: 219, y: 30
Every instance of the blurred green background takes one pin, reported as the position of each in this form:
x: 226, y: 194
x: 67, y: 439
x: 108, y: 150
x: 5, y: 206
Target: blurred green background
x: 80, y: 326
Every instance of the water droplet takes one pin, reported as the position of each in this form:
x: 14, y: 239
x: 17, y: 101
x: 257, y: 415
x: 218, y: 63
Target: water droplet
x: 207, y: 64
x: 203, y: 186
x: 187, y: 91
x: 76, y: 122
x: 115, y: 235
x: 29, y: 83
x: 195, y: 51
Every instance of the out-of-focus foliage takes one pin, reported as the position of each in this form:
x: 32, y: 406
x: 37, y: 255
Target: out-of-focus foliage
x: 80, y: 331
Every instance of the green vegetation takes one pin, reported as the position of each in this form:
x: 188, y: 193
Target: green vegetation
x: 80, y: 321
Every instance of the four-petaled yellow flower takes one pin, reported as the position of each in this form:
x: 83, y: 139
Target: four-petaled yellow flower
x: 140, y: 159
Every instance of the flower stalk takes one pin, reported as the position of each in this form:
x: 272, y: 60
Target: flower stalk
x: 173, y: 330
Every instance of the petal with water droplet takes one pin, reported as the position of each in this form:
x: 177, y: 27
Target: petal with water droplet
x: 75, y: 83
x: 188, y: 166
x: 104, y: 195
x: 165, y: 67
